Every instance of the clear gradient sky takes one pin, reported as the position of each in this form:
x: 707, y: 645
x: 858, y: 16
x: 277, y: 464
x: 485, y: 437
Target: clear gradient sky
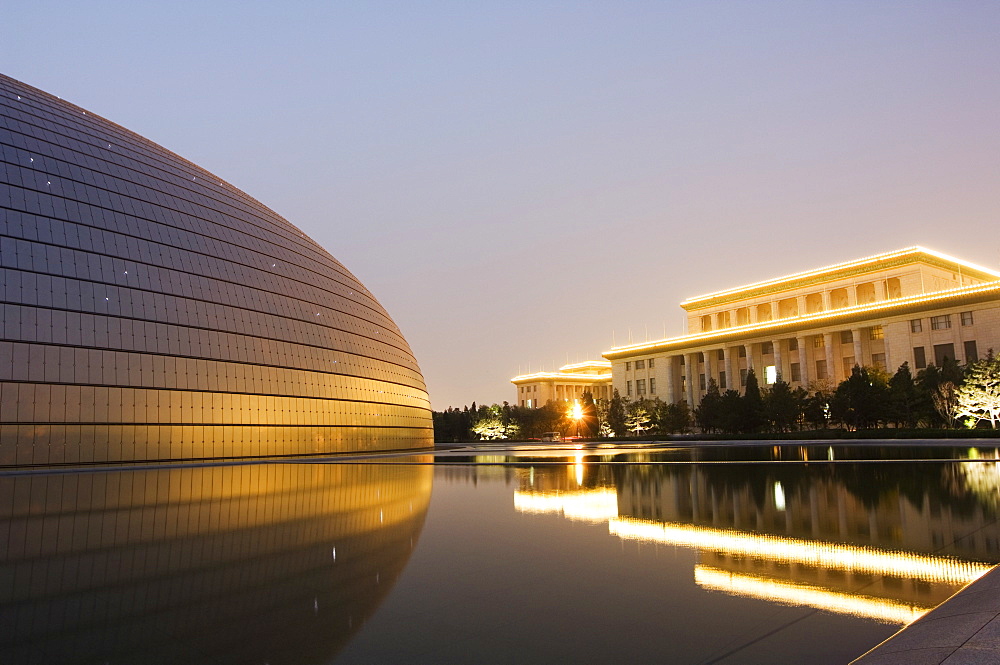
x: 518, y: 182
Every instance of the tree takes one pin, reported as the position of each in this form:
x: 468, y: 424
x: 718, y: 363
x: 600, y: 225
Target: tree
x: 861, y: 400
x: 904, y: 398
x: 781, y: 406
x: 753, y: 405
x: 708, y: 413
x: 638, y: 418
x: 675, y: 417
x: 589, y: 422
x: 731, y: 411
x: 978, y: 398
x: 817, y: 408
x: 616, y: 414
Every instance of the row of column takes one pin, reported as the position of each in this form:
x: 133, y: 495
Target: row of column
x: 806, y: 364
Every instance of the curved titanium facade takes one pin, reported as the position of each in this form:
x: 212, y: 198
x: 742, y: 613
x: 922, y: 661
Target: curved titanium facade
x: 153, y: 311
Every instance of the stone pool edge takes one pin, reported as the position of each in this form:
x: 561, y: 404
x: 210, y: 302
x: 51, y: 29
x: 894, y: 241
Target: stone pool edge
x: 963, y: 630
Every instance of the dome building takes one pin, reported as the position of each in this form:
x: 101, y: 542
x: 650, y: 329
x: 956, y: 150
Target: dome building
x: 151, y: 311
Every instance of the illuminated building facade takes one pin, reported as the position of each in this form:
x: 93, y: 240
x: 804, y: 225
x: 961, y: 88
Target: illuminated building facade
x: 565, y: 385
x: 913, y: 305
x: 152, y: 311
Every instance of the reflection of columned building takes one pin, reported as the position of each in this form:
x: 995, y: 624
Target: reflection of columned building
x: 913, y: 305
x: 815, y: 543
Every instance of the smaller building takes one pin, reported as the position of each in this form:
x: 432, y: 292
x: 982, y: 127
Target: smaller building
x: 565, y: 385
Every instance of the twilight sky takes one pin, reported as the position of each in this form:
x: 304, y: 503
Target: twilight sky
x: 521, y: 182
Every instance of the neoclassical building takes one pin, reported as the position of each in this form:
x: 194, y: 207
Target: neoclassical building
x: 567, y: 384
x: 912, y: 305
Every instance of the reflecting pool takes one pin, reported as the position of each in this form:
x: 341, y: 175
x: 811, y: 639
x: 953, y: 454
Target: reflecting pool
x: 714, y: 554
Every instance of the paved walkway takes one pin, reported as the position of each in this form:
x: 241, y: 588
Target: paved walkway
x: 964, y: 630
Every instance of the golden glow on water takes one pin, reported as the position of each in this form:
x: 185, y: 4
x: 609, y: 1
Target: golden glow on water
x: 839, y: 556
x: 751, y: 586
x: 595, y: 505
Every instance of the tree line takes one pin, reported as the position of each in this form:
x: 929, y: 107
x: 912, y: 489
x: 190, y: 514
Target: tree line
x: 936, y: 397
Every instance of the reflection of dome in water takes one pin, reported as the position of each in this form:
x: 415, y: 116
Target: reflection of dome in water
x: 153, y: 311
x: 242, y: 564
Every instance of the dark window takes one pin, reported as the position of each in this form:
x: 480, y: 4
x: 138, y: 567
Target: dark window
x: 628, y: 388
x: 741, y: 352
x: 966, y: 318
x: 701, y: 382
x: 821, y: 369
x: 652, y: 385
x: 942, y: 322
x: 942, y: 351
x: 846, y: 337
x: 796, y: 372
x: 766, y: 348
x: 640, y: 364
x: 916, y: 326
x: 722, y: 381
x: 971, y: 352
x: 721, y: 355
x: 650, y: 365
x: 640, y: 386
x: 878, y: 359
x: 628, y: 366
x: 919, y: 359
x: 743, y: 377
x: 793, y: 344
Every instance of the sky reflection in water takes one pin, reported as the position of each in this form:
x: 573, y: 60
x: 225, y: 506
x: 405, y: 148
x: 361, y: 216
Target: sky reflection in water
x: 527, y: 556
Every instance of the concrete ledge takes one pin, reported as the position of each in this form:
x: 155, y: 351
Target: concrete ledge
x: 963, y: 630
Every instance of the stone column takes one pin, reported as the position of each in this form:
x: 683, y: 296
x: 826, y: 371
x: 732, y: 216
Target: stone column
x: 708, y: 366
x: 831, y: 369
x: 671, y: 377
x: 727, y: 362
x: 749, y: 348
x: 778, y: 357
x: 804, y: 372
x: 856, y: 337
x: 827, y: 302
x: 691, y: 372
x: 881, y: 293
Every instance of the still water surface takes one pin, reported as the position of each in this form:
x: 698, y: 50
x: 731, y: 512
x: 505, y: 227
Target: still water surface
x: 721, y: 554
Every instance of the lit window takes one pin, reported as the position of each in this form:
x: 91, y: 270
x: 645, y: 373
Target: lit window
x: 966, y: 318
x: 770, y: 374
x: 916, y: 326
x: 818, y: 342
x: 876, y: 332
x: 942, y: 322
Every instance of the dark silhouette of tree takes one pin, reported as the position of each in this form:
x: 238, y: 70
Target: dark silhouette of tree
x: 904, y: 398
x: 781, y: 407
x: 708, y: 414
x: 589, y: 423
x: 861, y: 400
x: 731, y: 412
x: 616, y: 414
x: 754, y: 416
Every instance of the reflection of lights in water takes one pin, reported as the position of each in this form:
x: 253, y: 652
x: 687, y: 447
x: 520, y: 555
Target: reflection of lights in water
x: 596, y: 505
x: 779, y: 496
x: 806, y: 552
x: 829, y: 453
x: 749, y: 586
x: 982, y: 478
x: 579, y: 465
